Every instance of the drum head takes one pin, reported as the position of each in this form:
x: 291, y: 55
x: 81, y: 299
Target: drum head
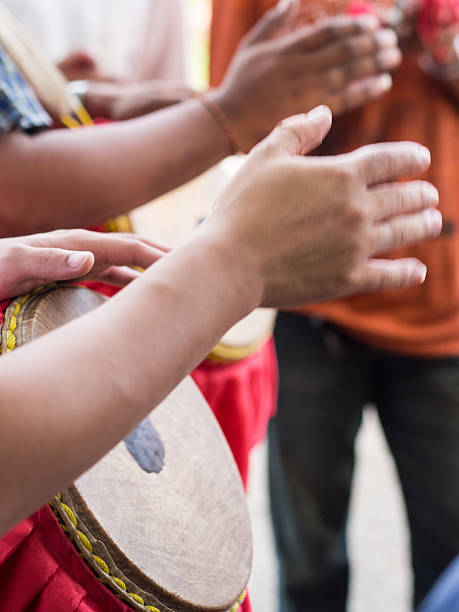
x: 179, y: 539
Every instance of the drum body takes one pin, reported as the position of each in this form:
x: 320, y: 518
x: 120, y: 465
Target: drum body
x: 162, y: 518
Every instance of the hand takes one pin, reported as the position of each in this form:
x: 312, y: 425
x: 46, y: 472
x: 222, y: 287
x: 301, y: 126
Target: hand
x: 341, y: 62
x: 303, y: 229
x: 120, y: 101
x: 79, y: 65
x: 31, y: 261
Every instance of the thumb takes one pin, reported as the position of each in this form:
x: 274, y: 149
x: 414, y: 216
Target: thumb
x: 59, y: 264
x: 300, y: 134
x: 270, y: 23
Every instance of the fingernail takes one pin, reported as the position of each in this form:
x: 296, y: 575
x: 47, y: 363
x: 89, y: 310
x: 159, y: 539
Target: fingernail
x: 368, y: 22
x: 434, y: 221
x: 389, y: 57
x: 423, y: 153
x: 386, y: 38
x: 76, y: 260
x: 419, y: 273
x: 432, y: 194
x: 385, y: 82
x: 318, y: 114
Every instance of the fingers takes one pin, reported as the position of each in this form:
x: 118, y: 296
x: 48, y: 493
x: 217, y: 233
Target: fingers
x: 270, y: 23
x: 108, y: 249
x: 359, y: 93
x: 403, y: 198
x: 340, y: 76
x: 353, y: 47
x: 125, y: 252
x: 406, y: 229
x: 379, y: 274
x: 300, y: 134
x: 118, y: 276
x: 50, y: 264
x: 160, y: 246
x: 328, y: 31
x: 385, y: 162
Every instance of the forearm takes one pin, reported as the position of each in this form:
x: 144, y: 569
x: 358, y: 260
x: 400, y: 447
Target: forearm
x: 72, y: 395
x: 79, y: 178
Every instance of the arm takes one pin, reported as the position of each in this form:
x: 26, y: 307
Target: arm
x: 82, y: 177
x: 121, y: 101
x: 319, y: 246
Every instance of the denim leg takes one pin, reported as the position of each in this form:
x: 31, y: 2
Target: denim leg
x: 323, y: 388
x: 418, y: 403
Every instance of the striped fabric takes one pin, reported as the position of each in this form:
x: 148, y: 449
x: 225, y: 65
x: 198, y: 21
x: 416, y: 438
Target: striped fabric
x: 19, y: 107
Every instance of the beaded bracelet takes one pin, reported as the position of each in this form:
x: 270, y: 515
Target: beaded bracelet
x: 220, y: 117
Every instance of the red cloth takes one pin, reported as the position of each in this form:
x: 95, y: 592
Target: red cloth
x: 41, y: 571
x: 242, y: 396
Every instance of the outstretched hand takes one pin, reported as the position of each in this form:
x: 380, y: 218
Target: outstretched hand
x: 28, y: 262
x: 309, y: 228
x: 343, y: 62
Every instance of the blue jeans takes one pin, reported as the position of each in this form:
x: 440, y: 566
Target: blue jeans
x: 326, y: 379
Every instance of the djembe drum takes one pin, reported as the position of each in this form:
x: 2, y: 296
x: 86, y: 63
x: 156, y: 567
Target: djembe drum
x: 161, y: 520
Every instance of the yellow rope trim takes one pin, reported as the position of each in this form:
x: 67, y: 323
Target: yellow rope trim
x: 100, y: 562
x: 137, y: 598
x: 84, y: 540
x: 69, y: 512
x: 120, y: 583
x: 11, y: 339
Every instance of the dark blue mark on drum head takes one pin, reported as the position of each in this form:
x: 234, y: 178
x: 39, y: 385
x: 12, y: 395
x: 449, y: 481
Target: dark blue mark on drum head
x: 146, y: 447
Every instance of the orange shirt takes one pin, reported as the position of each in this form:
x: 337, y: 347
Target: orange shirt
x: 423, y: 321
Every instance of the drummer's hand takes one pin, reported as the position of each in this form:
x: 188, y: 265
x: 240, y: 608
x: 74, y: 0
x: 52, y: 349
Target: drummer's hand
x: 342, y: 62
x: 31, y: 261
x: 303, y: 229
x: 120, y: 101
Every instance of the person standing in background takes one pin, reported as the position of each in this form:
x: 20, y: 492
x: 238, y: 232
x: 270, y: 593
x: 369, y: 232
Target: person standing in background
x: 398, y: 350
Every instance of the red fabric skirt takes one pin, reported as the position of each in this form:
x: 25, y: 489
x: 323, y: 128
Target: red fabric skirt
x: 40, y: 571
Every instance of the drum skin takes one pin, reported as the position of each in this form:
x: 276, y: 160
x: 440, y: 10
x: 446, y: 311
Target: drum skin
x: 175, y: 540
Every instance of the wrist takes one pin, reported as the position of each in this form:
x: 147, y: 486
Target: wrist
x: 231, y: 265
x: 230, y: 109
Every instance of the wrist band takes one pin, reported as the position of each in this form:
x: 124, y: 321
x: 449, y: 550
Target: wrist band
x: 223, y: 121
